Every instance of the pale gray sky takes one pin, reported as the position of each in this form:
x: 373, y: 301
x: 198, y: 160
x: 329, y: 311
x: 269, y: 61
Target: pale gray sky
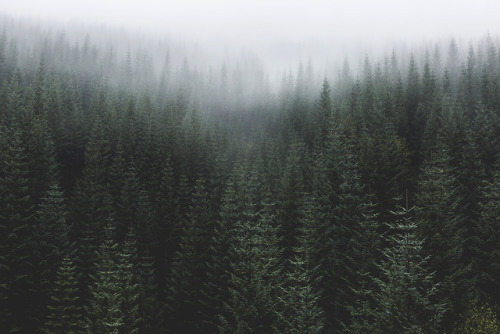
x: 281, y: 32
x: 280, y: 19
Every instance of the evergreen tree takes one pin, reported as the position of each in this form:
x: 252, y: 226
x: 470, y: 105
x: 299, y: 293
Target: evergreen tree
x: 149, y: 308
x: 215, y: 290
x: 188, y: 270
x: 254, y: 267
x: 299, y: 312
x: 353, y: 238
x: 169, y: 227
x: 439, y: 225
x: 91, y: 207
x: 324, y: 114
x: 50, y: 244
x: 489, y: 241
x: 16, y: 250
x: 65, y: 314
x: 291, y: 198
x: 103, y: 314
x: 406, y: 291
x: 129, y: 285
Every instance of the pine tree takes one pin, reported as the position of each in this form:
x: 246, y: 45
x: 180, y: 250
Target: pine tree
x: 65, y: 314
x: 406, y: 291
x: 215, y: 289
x: 291, y: 198
x: 188, y: 270
x: 254, y: 267
x: 91, y: 207
x: 103, y: 314
x: 150, y: 312
x: 356, y: 227
x: 50, y: 244
x: 324, y: 114
x: 16, y: 223
x: 169, y: 227
x: 299, y: 310
x: 439, y: 224
x: 489, y: 241
x: 129, y: 285
x: 470, y: 176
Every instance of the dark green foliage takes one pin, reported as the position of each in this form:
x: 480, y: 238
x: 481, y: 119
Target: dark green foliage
x: 323, y: 116
x: 406, y: 294
x: 64, y: 312
x: 16, y: 218
x: 103, y: 313
x: 188, y: 270
x: 254, y: 268
x: 488, y: 231
x: 50, y: 244
x: 291, y: 199
x: 150, y: 312
x: 215, y: 289
x: 299, y: 310
x: 132, y: 202
x: 439, y: 224
x: 129, y: 284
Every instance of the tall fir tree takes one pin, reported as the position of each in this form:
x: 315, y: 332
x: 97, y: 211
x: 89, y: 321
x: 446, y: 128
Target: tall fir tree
x: 129, y: 284
x: 489, y: 242
x: 439, y: 225
x: 405, y: 291
x: 16, y: 221
x: 188, y: 270
x: 103, y: 313
x: 64, y: 313
x: 254, y: 267
x: 50, y: 244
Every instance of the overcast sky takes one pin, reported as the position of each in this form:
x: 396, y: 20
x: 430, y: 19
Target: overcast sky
x: 283, y: 19
x: 278, y: 24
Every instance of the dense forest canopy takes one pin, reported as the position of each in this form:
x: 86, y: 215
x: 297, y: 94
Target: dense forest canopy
x: 148, y: 188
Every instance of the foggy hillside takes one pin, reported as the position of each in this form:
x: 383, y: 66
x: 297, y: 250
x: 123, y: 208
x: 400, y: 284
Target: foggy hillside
x: 169, y: 181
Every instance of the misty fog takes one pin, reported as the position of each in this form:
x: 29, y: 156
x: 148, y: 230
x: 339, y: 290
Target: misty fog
x: 249, y: 166
x: 278, y: 33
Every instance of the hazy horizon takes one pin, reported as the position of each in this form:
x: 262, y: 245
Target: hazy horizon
x: 242, y: 24
x: 278, y: 33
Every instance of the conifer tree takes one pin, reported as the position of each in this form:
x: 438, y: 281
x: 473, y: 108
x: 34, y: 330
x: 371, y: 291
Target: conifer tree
x: 324, y: 114
x: 354, y: 228
x: 65, y: 314
x: 91, y: 207
x: 50, y: 244
x: 291, y: 198
x: 129, y: 284
x: 16, y: 246
x: 169, y: 227
x: 14, y: 100
x: 299, y: 310
x: 489, y: 241
x: 215, y: 289
x: 439, y: 225
x: 469, y: 173
x: 150, y: 312
x: 188, y: 270
x: 254, y: 267
x: 103, y: 314
x: 406, y: 291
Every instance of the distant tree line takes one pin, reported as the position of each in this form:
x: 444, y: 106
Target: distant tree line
x: 138, y: 201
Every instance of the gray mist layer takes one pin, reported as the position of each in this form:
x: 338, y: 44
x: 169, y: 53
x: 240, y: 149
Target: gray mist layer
x: 280, y: 32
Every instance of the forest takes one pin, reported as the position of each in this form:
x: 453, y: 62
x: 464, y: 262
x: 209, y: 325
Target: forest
x: 142, y: 191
